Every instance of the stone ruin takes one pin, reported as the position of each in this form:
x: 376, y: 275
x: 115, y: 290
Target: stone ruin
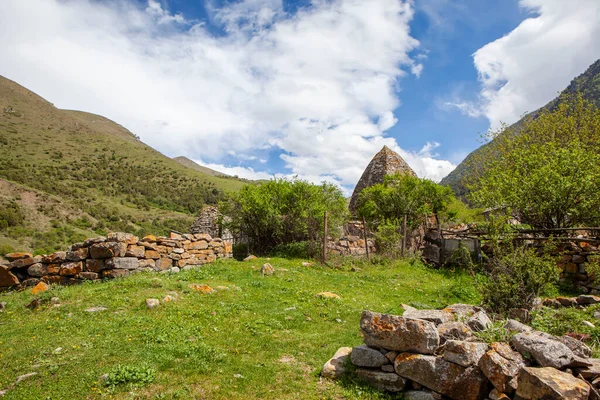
x: 386, y: 162
x: 208, y: 223
x: 436, y: 354
x: 117, y: 254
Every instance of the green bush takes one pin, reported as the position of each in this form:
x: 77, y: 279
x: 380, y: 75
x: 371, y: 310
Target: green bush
x: 517, y: 276
x: 389, y: 238
x: 295, y: 250
x: 129, y: 374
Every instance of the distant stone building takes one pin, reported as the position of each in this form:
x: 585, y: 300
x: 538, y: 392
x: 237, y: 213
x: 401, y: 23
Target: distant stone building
x: 386, y: 162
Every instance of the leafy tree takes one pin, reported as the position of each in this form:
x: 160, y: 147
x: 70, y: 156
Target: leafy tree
x: 283, y: 211
x: 401, y: 195
x: 549, y: 171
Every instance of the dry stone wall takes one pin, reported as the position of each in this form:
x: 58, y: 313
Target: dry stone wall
x: 117, y: 254
x: 436, y: 354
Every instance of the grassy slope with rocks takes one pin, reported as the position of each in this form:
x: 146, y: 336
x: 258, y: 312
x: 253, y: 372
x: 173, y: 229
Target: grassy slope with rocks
x: 65, y: 175
x: 264, y: 338
x: 588, y: 84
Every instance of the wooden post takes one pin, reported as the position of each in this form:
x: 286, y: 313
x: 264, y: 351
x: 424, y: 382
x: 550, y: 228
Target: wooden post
x: 404, y: 235
x: 365, y: 236
x: 325, y: 238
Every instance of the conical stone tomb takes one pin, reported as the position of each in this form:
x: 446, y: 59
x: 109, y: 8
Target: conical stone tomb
x: 386, y: 162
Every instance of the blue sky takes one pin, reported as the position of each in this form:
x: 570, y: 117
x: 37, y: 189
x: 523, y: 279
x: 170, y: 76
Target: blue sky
x: 312, y: 88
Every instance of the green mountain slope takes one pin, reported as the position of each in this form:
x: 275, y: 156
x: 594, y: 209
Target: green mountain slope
x: 587, y: 83
x: 88, y: 175
x: 195, y: 166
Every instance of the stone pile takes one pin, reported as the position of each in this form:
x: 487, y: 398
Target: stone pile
x: 573, y: 262
x: 117, y: 254
x: 350, y: 246
x: 435, y: 354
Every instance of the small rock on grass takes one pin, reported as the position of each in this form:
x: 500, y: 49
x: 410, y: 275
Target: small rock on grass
x: 152, y: 303
x: 95, y: 309
x: 328, y: 295
x: 267, y: 269
x: 168, y: 298
x: 39, y: 288
x: 201, y: 288
x: 250, y: 258
x: 2, y: 306
x: 588, y: 324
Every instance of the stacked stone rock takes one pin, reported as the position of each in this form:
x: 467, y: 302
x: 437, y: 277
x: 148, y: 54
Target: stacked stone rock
x: 573, y: 265
x: 117, y: 254
x: 434, y: 354
x: 350, y: 246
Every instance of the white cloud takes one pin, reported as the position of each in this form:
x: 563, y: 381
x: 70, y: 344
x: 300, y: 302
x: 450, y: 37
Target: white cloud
x: 525, y: 69
x: 319, y: 85
x: 242, y: 172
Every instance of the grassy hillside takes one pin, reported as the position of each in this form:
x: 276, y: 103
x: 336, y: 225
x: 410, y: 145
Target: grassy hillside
x: 87, y: 175
x: 262, y: 338
x: 195, y: 166
x: 588, y: 84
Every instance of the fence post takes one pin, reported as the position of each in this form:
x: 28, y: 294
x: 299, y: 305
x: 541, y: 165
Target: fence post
x: 365, y: 236
x: 403, y: 235
x: 325, y: 238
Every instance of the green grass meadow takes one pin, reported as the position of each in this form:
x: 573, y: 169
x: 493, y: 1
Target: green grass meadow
x: 266, y: 337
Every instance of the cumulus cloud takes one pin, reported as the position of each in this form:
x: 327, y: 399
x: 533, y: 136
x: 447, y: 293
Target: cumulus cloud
x: 525, y: 69
x: 318, y: 86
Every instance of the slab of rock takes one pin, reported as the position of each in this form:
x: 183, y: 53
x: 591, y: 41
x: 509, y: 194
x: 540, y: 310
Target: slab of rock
x: 577, y: 346
x: 464, y: 353
x: 587, y: 299
x: 77, y: 255
x: 479, y: 321
x: 500, y: 371
x: 591, y: 372
x: 462, y: 312
x: 38, y: 270
x: 71, y: 268
x: 398, y: 333
x: 22, y: 263
x: 334, y: 368
x: 507, y: 352
x: 126, y: 238
x: 388, y: 381
x: 546, y: 351
x: 134, y: 250
x: 122, y: 262
x: 92, y: 265
x: 56, y: 257
x: 418, y: 395
x: 17, y: 256
x: 7, y: 279
x: 516, y: 326
x: 496, y: 395
x: 364, y: 356
x: 550, y: 384
x: 454, y: 331
x: 436, y: 316
x: 444, y: 377
x: 108, y: 250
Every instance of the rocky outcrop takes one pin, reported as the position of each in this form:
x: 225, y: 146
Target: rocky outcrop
x: 117, y: 254
x: 386, y: 162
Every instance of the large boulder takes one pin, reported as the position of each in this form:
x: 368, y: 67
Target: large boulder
x: 550, y: 384
x: 334, y: 368
x: 7, y: 279
x: 464, y: 353
x: 546, y: 351
x: 436, y: 316
x: 442, y: 376
x: 388, y: 381
x: 364, y: 356
x: 398, y: 333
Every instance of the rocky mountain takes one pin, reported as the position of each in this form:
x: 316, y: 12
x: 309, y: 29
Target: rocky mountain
x: 588, y: 84
x: 65, y: 175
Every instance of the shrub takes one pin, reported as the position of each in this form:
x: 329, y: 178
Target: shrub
x: 128, y: 374
x: 517, y: 276
x: 302, y: 249
x: 389, y: 238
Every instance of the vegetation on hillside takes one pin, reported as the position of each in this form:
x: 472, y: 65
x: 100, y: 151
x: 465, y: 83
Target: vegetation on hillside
x: 72, y: 174
x: 282, y: 211
x: 587, y: 84
x: 549, y: 173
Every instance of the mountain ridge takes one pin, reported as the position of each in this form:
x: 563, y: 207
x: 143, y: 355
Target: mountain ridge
x: 587, y: 83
